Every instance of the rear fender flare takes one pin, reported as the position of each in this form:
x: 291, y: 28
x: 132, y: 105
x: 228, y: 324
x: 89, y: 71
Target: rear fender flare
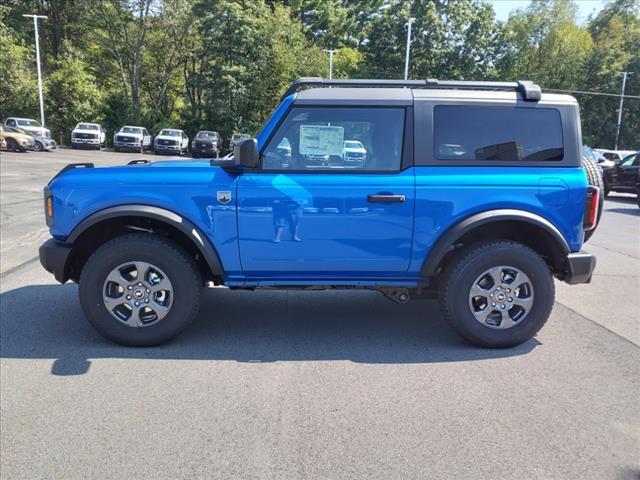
x: 448, y: 240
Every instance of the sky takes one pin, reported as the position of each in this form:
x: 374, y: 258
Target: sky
x: 586, y: 7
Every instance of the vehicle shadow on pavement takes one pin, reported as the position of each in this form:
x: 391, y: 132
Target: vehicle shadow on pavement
x: 46, y: 321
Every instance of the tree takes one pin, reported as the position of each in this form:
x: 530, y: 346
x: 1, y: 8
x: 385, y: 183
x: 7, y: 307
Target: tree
x: 72, y: 95
x: 449, y: 40
x: 19, y: 92
x: 543, y: 43
x: 616, y: 35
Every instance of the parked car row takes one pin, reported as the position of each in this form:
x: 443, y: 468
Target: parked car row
x: 17, y: 139
x: 206, y: 143
x: 620, y: 168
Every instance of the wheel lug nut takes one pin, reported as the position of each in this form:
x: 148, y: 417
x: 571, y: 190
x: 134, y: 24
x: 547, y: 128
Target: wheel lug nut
x: 146, y: 300
x: 139, y: 284
x: 128, y: 297
x: 510, y: 299
x: 502, y: 306
x: 148, y: 291
x: 137, y: 304
x: 493, y: 304
x: 508, y: 289
x: 129, y: 287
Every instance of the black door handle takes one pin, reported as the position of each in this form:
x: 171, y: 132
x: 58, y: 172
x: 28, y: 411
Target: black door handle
x: 386, y: 198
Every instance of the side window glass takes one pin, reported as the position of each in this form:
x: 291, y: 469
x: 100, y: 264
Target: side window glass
x: 497, y: 133
x: 632, y: 160
x: 11, y: 122
x: 337, y: 138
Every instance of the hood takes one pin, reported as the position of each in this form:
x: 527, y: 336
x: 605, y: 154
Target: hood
x: 84, y: 130
x: 206, y: 141
x: 123, y: 134
x: 168, y: 137
x: 38, y: 131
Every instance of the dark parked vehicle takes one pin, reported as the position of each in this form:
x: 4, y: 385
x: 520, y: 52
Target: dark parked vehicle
x: 206, y: 144
x: 624, y: 176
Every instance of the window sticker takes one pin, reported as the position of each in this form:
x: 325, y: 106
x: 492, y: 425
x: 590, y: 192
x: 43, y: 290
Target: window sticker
x: 321, y: 140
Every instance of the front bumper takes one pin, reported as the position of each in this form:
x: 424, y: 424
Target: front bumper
x: 134, y: 147
x: 167, y: 148
x: 79, y: 142
x: 579, y: 268
x: 53, y: 258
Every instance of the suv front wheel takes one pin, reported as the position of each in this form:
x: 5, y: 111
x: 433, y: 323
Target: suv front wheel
x: 140, y: 290
x: 497, y: 294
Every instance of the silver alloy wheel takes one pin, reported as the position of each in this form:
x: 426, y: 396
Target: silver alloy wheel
x: 501, y: 297
x: 137, y: 294
x: 37, y: 147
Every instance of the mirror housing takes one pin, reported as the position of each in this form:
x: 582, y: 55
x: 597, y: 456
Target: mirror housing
x: 246, y: 153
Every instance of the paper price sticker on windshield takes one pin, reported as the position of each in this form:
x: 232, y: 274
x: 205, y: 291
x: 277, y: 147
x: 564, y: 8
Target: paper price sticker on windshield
x: 321, y: 140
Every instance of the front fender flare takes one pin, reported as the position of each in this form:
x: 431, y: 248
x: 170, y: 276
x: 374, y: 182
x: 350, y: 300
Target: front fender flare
x: 449, y: 238
x: 145, y: 211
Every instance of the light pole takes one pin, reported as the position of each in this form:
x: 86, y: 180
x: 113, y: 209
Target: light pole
x: 35, y: 26
x: 406, y: 58
x: 624, y: 84
x: 330, y: 52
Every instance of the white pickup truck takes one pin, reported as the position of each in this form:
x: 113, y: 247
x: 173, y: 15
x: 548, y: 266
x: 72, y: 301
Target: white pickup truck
x: 171, y: 141
x: 89, y: 135
x: 132, y: 139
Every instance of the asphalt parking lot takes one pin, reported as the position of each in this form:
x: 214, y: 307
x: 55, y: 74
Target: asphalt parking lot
x: 290, y: 385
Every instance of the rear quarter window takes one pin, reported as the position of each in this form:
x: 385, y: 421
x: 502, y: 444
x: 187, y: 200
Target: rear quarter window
x: 497, y: 133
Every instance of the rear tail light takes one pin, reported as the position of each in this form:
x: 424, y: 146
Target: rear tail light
x: 591, y: 208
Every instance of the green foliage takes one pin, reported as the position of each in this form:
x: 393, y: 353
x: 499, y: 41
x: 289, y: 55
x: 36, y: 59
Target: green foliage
x: 223, y: 64
x: 72, y: 95
x: 18, y: 80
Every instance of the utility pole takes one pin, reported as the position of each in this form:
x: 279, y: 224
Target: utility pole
x: 624, y: 84
x: 330, y: 52
x: 406, y: 58
x: 35, y: 26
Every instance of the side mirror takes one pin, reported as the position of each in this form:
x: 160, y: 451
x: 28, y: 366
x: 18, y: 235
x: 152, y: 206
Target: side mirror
x: 246, y: 153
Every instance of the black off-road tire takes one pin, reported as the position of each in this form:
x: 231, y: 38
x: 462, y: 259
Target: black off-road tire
x: 594, y: 177
x: 163, y: 253
x: 459, y: 276
x: 37, y: 147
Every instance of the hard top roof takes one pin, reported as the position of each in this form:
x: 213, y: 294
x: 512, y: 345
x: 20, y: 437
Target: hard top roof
x: 402, y: 92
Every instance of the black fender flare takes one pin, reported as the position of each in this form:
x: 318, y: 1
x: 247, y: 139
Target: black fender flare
x: 444, y: 244
x: 145, y: 211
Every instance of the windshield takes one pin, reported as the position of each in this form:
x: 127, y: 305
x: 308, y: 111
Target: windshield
x: 352, y: 144
x: 169, y: 133
x: 207, y: 135
x: 28, y: 123
x: 86, y: 126
x: 131, y: 130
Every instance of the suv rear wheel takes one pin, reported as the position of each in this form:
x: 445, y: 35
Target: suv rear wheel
x: 497, y: 294
x: 140, y: 290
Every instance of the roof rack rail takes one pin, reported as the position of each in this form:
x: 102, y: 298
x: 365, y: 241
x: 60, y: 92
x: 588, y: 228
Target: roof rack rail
x: 529, y: 90
x: 141, y: 161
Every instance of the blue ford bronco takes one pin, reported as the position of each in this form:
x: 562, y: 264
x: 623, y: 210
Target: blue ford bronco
x: 473, y: 192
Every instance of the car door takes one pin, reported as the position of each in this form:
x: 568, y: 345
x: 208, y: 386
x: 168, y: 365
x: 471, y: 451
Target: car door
x: 146, y: 138
x: 628, y: 172
x: 311, y: 214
